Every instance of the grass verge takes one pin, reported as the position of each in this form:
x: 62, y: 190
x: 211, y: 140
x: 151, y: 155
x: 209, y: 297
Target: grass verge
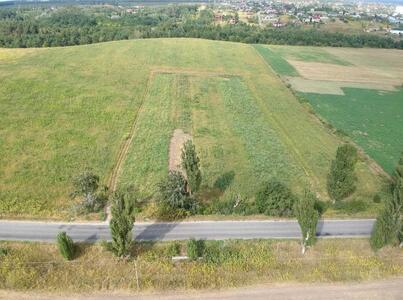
x: 35, y: 266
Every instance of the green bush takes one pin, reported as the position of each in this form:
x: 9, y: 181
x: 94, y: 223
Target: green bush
x: 275, y: 199
x: 168, y: 213
x: 173, y: 249
x: 66, y: 245
x: 351, y: 207
x: 3, y: 252
x: 321, y: 206
x: 174, y: 194
x: 233, y: 202
x: 213, y: 252
x: 377, y: 198
x: 93, y: 198
x: 341, y: 179
x: 195, y: 248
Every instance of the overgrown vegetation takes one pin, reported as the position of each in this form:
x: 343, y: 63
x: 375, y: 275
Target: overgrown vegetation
x: 342, y: 179
x: 66, y: 245
x: 175, y: 200
x: 195, y: 249
x: 275, y: 199
x: 224, y: 264
x: 86, y: 186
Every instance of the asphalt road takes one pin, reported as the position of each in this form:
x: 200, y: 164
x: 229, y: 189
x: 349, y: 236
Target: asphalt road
x: 212, y: 230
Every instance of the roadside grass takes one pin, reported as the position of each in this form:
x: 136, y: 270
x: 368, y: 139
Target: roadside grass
x: 373, y: 119
x: 232, y: 263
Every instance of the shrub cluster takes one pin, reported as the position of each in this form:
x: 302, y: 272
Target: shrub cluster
x: 175, y: 200
x: 275, y: 199
x: 93, y: 197
x: 195, y: 248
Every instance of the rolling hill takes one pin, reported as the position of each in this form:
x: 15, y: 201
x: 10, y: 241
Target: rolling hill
x: 113, y: 108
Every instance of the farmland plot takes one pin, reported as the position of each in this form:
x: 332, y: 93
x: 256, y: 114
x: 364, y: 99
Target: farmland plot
x: 64, y: 110
x: 359, y: 91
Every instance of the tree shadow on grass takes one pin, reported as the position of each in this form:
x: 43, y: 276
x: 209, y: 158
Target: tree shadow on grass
x: 224, y: 181
x: 80, y: 248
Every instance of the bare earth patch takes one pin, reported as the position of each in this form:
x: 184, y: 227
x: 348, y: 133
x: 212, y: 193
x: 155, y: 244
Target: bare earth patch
x: 331, y: 72
x: 388, y: 61
x: 175, y: 149
x: 332, y: 87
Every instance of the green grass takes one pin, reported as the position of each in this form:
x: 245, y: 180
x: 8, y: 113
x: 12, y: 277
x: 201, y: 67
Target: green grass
x: 311, y: 54
x: 165, y: 108
x: 67, y: 109
x: 217, y: 112
x: 373, y: 119
x: 40, y: 267
x: 276, y: 61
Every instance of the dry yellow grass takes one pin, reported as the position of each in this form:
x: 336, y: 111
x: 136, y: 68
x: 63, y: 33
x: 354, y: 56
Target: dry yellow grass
x: 332, y: 87
x: 34, y: 266
x: 9, y: 55
x: 387, y: 61
x: 331, y: 72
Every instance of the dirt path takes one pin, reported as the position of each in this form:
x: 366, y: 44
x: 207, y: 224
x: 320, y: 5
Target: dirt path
x: 175, y: 149
x: 124, y: 149
x: 385, y: 290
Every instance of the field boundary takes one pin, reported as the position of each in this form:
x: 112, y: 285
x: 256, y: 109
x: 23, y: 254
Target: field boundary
x: 124, y: 148
x: 309, y: 172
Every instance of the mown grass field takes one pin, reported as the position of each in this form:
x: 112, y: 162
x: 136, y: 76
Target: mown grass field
x: 366, y: 103
x: 225, y: 264
x: 67, y: 109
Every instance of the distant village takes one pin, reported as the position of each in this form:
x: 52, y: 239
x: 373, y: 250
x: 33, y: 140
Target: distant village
x: 372, y: 17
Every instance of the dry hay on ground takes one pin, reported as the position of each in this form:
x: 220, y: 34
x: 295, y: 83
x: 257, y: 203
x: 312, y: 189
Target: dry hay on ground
x: 8, y: 55
x: 331, y: 87
x: 331, y: 72
x: 388, y: 61
x: 175, y: 149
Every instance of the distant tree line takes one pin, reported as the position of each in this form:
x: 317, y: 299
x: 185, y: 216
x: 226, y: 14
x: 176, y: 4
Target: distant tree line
x: 29, y: 27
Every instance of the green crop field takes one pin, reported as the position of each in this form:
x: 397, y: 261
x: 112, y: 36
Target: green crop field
x: 374, y: 119
x: 67, y: 109
x: 368, y: 108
